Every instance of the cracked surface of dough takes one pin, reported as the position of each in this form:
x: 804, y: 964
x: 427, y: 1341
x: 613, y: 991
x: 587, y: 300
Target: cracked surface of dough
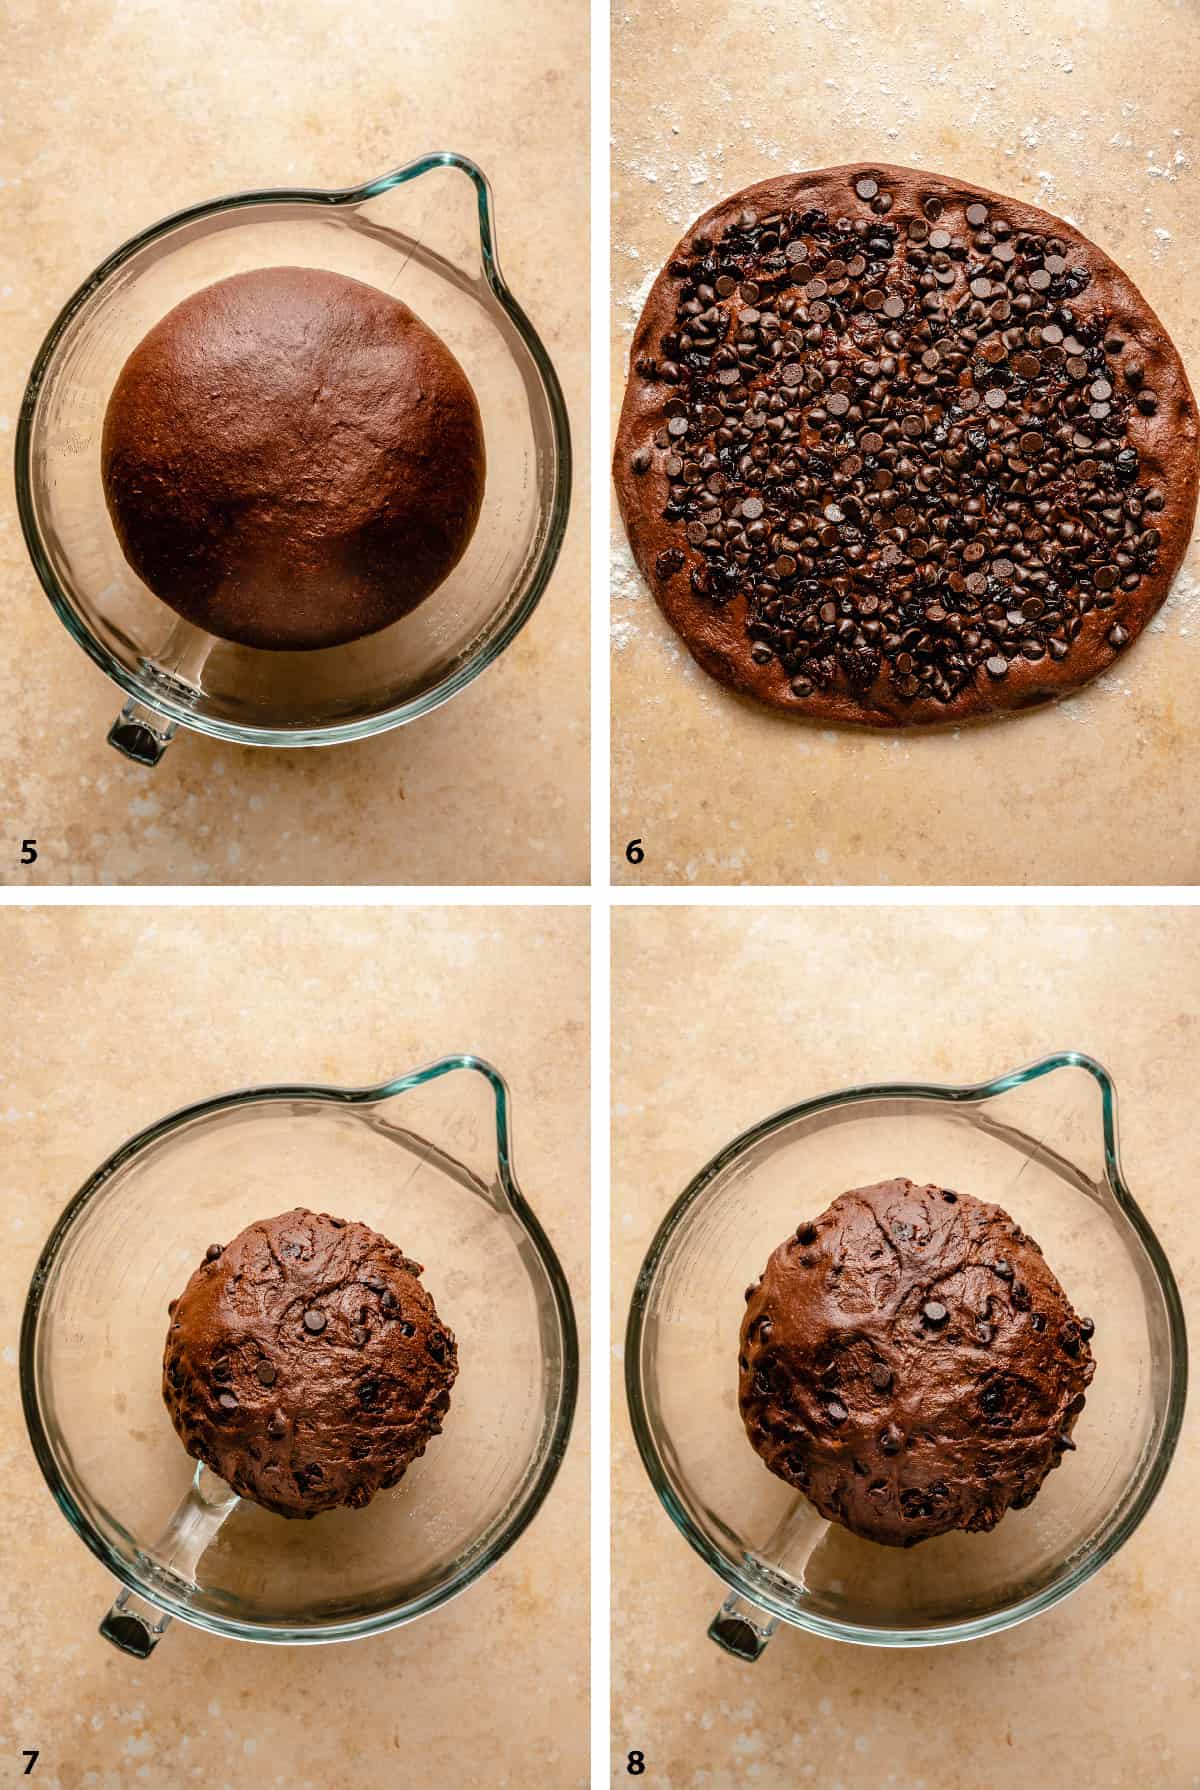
x: 911, y: 1364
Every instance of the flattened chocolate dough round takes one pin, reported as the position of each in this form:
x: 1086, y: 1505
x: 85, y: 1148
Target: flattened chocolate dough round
x: 292, y: 459
x: 910, y: 1363
x: 306, y: 1364
x: 898, y: 451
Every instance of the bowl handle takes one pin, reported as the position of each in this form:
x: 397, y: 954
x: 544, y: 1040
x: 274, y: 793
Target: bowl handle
x: 741, y: 1628
x: 141, y: 733
x: 135, y: 1624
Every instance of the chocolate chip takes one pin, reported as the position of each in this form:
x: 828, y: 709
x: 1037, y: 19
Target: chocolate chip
x: 891, y: 1441
x: 227, y: 1401
x: 934, y: 1313
x: 641, y: 460
x: 866, y: 187
x: 977, y: 215
x: 359, y: 1334
x: 1087, y: 1329
x: 836, y: 1411
x: 314, y: 1321
x: 214, y: 1252
x: 881, y: 1377
x: 265, y: 1373
x: 276, y: 1426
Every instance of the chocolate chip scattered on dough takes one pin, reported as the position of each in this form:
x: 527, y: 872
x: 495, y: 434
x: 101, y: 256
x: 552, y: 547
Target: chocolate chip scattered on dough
x: 898, y: 451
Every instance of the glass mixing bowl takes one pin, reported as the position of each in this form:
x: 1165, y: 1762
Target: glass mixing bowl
x: 426, y: 1160
x: 423, y: 233
x: 1042, y: 1143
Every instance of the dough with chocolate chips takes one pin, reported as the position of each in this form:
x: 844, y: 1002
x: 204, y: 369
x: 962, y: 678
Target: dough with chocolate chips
x: 910, y: 1363
x: 306, y: 1364
x: 899, y: 451
x: 292, y: 459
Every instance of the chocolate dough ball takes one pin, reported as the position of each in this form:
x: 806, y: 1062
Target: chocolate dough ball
x: 306, y: 1364
x: 291, y: 459
x: 911, y: 1364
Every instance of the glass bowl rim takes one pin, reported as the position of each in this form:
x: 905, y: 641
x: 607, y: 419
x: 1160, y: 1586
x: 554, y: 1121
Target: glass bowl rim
x: 560, y: 468
x: 950, y: 1094
x: 554, y: 1443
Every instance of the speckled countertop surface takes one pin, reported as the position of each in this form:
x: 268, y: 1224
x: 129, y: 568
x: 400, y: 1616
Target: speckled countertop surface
x: 1087, y: 111
x: 181, y: 1004
x: 116, y: 115
x: 721, y: 1017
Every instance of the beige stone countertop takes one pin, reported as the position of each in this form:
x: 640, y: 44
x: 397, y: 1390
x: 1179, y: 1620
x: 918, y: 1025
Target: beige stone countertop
x: 491, y: 1689
x: 115, y: 116
x: 721, y: 1016
x: 1088, y: 111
